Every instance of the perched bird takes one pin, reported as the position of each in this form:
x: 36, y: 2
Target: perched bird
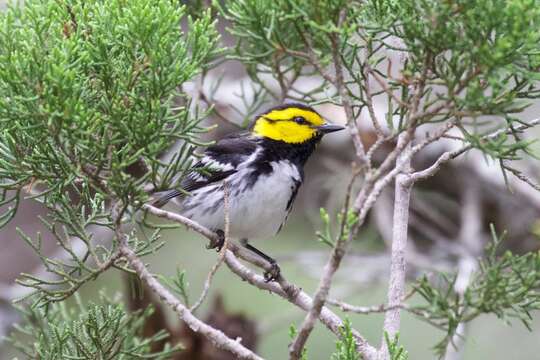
x: 262, y: 170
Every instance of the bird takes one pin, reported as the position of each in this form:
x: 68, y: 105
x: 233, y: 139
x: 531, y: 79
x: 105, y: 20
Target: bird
x: 262, y: 169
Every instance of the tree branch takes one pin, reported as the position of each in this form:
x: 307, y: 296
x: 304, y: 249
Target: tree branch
x: 396, y: 285
x: 450, y: 155
x: 217, y: 337
x: 210, y: 235
x: 299, y: 298
x: 284, y: 289
x: 346, y: 102
x: 470, y: 236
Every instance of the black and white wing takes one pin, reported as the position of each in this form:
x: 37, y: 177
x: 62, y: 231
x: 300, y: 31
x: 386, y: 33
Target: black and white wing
x: 220, y: 161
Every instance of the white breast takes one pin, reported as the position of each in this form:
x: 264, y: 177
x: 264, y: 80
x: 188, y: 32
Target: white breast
x: 256, y: 211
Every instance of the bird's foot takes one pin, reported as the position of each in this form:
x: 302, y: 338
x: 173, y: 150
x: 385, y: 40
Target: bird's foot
x: 217, y: 243
x: 273, y: 274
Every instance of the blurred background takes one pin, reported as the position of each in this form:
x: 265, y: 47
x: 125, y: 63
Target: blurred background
x: 450, y: 217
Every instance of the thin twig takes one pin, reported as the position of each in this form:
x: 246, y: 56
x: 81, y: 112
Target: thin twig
x: 382, y: 308
x: 521, y: 176
x: 312, y: 57
x: 363, y: 310
x: 431, y: 170
x: 449, y: 155
x: 495, y: 134
x: 346, y: 102
x: 369, y: 103
x: 221, y: 257
x: 386, y: 88
x: 373, y: 148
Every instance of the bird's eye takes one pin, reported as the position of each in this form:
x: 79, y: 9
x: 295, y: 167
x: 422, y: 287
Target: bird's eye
x: 300, y: 120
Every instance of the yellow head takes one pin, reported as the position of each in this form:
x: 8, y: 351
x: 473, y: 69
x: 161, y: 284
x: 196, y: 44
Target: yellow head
x: 293, y: 124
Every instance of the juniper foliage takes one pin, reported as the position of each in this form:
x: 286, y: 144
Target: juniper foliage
x: 479, y: 59
x: 90, y: 98
x: 88, y: 331
x: 506, y: 285
x: 346, y: 346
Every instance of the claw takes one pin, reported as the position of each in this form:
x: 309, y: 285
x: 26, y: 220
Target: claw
x: 217, y: 243
x: 273, y: 274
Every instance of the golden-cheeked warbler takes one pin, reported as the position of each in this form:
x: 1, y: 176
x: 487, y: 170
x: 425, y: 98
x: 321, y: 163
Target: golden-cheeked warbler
x: 263, y: 169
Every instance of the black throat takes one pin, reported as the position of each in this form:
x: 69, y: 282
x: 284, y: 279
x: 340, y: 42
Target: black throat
x: 298, y: 154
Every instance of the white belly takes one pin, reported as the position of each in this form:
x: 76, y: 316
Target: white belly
x: 256, y: 212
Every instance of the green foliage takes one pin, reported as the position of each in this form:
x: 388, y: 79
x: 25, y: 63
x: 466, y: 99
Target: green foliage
x: 325, y: 236
x: 485, y: 32
x: 272, y: 37
x: 77, y: 268
x: 484, y: 52
x: 506, y: 285
x: 88, y: 92
x: 346, y: 345
x: 7, y: 198
x: 293, y: 331
x: 90, y: 98
x: 396, y: 351
x: 346, y: 223
x: 93, y: 331
x: 178, y: 284
x: 502, y: 147
x: 473, y: 58
x: 266, y: 30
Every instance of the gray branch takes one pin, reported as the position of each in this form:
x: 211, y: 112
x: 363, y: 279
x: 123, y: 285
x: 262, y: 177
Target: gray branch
x: 217, y: 337
x: 284, y: 289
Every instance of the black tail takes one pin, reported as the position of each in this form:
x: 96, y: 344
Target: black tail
x: 165, y: 197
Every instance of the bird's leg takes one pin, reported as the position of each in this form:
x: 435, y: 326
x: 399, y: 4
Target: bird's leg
x: 217, y: 243
x: 271, y: 275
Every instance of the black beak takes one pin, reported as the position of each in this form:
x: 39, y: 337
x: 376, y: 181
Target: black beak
x: 328, y: 128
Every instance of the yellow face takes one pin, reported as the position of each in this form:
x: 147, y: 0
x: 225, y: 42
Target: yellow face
x: 291, y: 124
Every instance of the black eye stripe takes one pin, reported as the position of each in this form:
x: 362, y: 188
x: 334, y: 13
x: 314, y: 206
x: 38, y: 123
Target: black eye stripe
x: 300, y: 120
x: 270, y: 120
